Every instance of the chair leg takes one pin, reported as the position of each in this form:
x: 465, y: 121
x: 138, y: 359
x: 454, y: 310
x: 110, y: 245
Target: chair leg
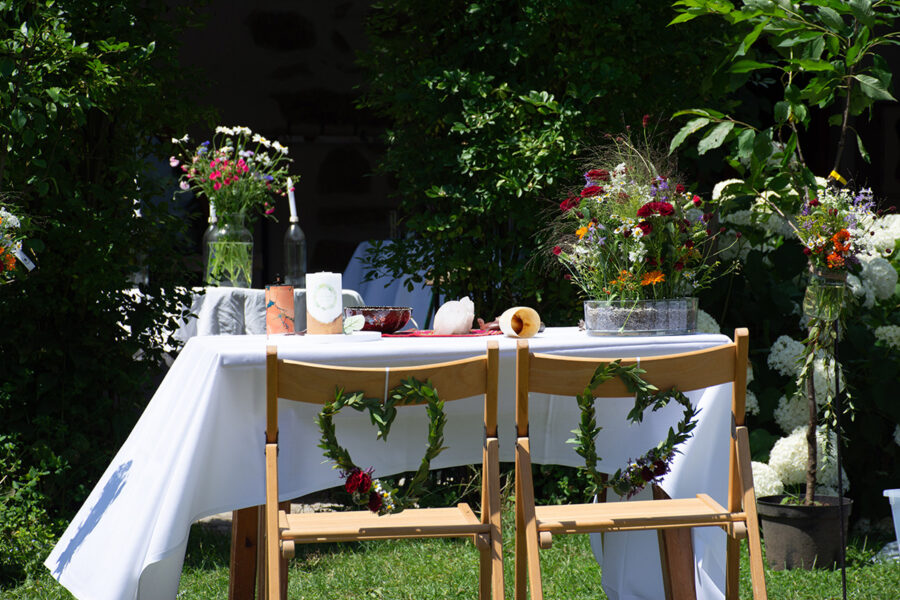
x: 244, y: 543
x: 757, y: 571
x: 521, y: 565
x: 732, y: 567
x: 527, y: 524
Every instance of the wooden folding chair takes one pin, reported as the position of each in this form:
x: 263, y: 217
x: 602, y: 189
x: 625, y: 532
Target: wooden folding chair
x: 568, y: 376
x: 312, y: 383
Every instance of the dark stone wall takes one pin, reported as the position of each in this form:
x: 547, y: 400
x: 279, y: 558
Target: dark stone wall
x: 286, y: 69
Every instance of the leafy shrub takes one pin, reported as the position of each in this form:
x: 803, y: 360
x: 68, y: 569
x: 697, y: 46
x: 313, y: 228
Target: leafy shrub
x: 488, y: 105
x: 88, y: 105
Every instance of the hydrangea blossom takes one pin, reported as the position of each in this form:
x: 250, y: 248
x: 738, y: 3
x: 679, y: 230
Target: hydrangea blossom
x: 752, y: 404
x: 792, y: 412
x: 788, y: 458
x: 706, y: 324
x: 881, y: 275
x: 889, y: 334
x: 765, y: 480
x: 784, y: 356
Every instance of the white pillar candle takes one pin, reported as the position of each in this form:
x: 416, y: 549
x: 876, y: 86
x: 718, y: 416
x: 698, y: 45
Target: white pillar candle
x: 324, y: 303
x: 291, y: 202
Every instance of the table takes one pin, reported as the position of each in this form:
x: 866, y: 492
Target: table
x: 197, y: 451
x: 240, y: 311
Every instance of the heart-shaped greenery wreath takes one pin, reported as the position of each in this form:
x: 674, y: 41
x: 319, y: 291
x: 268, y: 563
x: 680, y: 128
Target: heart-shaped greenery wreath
x: 363, y: 489
x: 654, y: 463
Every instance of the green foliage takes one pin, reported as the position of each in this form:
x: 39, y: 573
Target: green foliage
x: 488, y: 106
x: 824, y: 54
x: 822, y: 57
x: 26, y: 531
x: 88, y: 99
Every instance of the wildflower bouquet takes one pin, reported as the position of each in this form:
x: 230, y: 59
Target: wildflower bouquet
x: 238, y: 171
x: 631, y: 233
x: 11, y: 251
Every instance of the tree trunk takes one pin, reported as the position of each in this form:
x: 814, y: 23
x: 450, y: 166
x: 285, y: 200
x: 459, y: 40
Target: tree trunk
x: 811, y: 445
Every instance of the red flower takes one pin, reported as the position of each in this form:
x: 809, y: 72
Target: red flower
x: 645, y: 121
x: 646, y: 227
x: 807, y: 251
x: 707, y: 217
x: 679, y: 189
x: 591, y: 190
x: 358, y: 481
x: 374, y: 501
x: 557, y: 250
x: 813, y: 202
x: 689, y: 244
x: 598, y: 175
x: 697, y: 201
x: 569, y: 203
x: 653, y: 208
x: 679, y: 266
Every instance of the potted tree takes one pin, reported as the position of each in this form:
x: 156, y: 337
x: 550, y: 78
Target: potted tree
x: 824, y: 54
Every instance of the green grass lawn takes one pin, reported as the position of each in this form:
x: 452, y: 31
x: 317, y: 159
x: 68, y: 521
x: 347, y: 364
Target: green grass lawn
x: 442, y: 569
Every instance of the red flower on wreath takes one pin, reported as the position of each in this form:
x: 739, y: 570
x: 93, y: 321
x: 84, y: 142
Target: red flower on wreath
x: 374, y: 501
x: 358, y: 481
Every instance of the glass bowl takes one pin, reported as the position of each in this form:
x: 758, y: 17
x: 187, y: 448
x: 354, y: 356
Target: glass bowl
x: 386, y: 319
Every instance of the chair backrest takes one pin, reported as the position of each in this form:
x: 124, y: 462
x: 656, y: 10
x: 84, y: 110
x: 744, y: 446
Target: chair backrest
x: 568, y: 376
x: 315, y: 383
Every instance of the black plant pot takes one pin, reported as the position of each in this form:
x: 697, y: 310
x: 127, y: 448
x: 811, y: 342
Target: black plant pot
x: 802, y: 537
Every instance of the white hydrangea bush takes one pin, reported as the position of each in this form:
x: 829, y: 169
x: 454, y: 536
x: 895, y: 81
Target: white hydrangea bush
x: 766, y: 481
x: 788, y: 459
x: 706, y: 323
x: 889, y: 334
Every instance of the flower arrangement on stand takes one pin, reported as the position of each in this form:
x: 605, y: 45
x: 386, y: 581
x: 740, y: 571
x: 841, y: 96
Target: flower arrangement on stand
x: 12, y: 251
x: 633, y: 234
x: 241, y: 173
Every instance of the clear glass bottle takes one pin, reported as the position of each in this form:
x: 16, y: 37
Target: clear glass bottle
x: 209, y: 236
x: 294, y: 255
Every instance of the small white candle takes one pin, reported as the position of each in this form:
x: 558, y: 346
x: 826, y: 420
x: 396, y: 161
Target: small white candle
x: 323, y: 296
x: 293, y: 204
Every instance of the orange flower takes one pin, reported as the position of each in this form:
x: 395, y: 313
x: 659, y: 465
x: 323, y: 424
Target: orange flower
x: 835, y: 261
x: 7, y: 260
x: 841, y: 236
x: 581, y: 231
x: 652, y: 278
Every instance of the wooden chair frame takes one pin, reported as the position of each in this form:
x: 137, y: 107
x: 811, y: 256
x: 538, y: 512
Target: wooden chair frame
x: 567, y: 376
x: 313, y: 383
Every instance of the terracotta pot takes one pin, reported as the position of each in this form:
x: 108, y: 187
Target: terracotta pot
x: 803, y: 537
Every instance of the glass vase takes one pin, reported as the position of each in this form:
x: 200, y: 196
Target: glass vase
x: 230, y: 262
x: 824, y: 295
x: 674, y: 316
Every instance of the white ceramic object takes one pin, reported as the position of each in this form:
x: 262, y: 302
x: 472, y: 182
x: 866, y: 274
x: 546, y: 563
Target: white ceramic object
x: 454, y: 317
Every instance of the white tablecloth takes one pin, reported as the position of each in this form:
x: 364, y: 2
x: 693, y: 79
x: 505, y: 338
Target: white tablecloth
x: 241, y: 311
x: 197, y: 451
